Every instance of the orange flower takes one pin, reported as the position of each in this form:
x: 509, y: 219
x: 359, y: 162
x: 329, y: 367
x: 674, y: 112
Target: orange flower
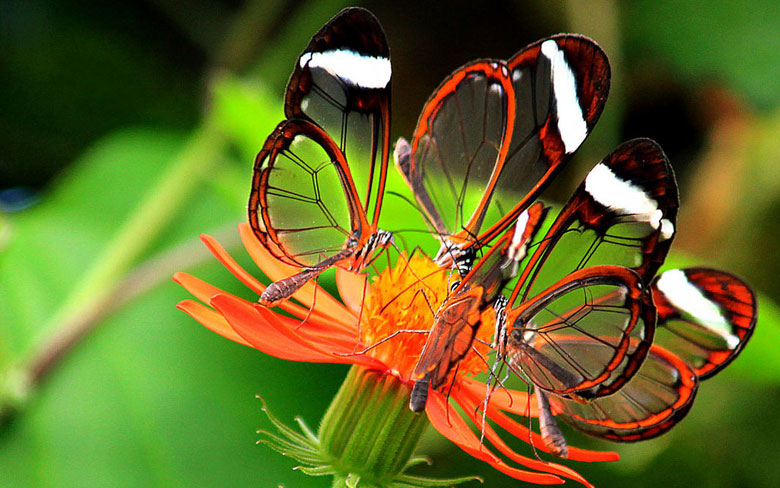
x: 327, y: 330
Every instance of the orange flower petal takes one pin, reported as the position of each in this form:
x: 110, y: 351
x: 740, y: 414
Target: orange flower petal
x: 470, y: 406
x: 211, y: 320
x: 455, y: 429
x: 228, y: 262
x: 319, y: 334
x: 517, y: 405
x: 521, y: 431
x: 276, y: 270
x: 588, y: 456
x: 197, y: 287
x: 340, y: 352
x: 353, y: 288
x: 263, y: 330
x: 256, y: 331
x: 517, y: 402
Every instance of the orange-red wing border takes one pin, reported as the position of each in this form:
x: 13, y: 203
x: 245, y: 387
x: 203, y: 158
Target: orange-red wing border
x: 278, y: 142
x: 653, y: 402
x: 698, y: 303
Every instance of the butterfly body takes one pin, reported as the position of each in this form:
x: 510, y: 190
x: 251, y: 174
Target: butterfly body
x: 460, y: 315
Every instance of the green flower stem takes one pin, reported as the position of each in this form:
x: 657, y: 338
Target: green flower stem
x: 156, y: 210
x: 369, y: 428
x: 366, y: 438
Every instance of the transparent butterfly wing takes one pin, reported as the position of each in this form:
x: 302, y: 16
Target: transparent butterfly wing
x: 604, y: 311
x: 560, y: 87
x: 650, y: 404
x: 303, y: 200
x: 624, y: 213
x: 494, y: 133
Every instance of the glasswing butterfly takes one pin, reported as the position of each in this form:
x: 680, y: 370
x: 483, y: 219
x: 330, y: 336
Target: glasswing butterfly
x: 305, y: 207
x: 705, y: 318
x: 613, y: 350
x: 493, y: 135
x: 487, y: 142
x: 583, y: 337
x: 611, y: 237
x: 460, y: 316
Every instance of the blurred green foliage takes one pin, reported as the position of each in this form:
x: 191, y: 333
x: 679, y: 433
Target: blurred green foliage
x: 99, y: 107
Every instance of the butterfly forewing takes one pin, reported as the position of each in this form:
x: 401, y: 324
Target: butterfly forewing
x: 705, y: 316
x: 651, y: 403
x: 302, y: 198
x: 624, y: 213
x: 560, y: 86
x: 458, y: 145
x: 602, y: 310
x: 342, y: 83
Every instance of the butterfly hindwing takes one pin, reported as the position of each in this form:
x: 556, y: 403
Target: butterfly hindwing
x: 651, y: 403
x: 705, y: 316
x: 585, y: 336
x: 303, y: 199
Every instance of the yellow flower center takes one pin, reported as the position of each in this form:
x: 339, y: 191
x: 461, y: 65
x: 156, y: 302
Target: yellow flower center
x: 405, y: 297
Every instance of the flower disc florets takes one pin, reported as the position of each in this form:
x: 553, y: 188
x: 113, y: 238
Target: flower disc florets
x: 406, y: 297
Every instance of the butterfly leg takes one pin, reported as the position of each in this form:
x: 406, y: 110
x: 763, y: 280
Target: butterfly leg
x: 372, y: 346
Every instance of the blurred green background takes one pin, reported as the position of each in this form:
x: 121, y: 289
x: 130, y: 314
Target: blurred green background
x: 129, y: 128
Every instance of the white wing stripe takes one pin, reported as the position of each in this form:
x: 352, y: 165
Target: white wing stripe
x: 352, y: 67
x: 571, y: 123
x: 688, y: 298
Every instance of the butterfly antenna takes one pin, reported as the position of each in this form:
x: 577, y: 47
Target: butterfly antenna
x: 415, y: 205
x: 474, y: 238
x: 407, y: 262
x: 409, y: 287
x: 425, y: 297
x: 381, y: 341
